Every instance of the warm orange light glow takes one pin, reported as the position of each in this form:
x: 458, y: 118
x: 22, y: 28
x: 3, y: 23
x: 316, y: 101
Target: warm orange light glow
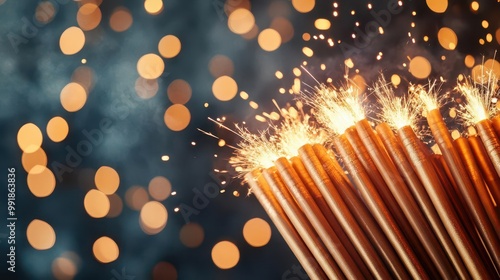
x: 154, y: 215
x: 29, y: 160
x: 153, y: 7
x: 159, y: 188
x: 169, y: 46
x: 322, y: 24
x: 257, y: 232
x: 437, y: 6
x: 41, y: 181
x: 150, y: 66
x: 72, y: 40
x: 284, y: 28
x: 225, y: 255
x: 121, y: 19
x: 420, y: 67
x: 107, y: 180
x: 220, y: 65
x: 447, y: 38
x: 136, y: 197
x: 303, y: 6
x: 192, y: 235
x: 88, y: 16
x: 96, y: 204
x: 41, y: 235
x: 177, y: 117
x: 57, y: 129
x: 179, y: 92
x: 269, y: 40
x: 105, y: 250
x: 29, y: 138
x: 73, y: 97
x: 224, y: 88
x: 241, y: 21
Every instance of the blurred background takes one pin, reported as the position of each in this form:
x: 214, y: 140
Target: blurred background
x: 104, y: 115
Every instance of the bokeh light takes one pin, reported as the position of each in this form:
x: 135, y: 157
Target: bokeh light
x: 72, y: 40
x: 105, y: 250
x: 64, y: 268
x: 284, y: 28
x: 179, y: 91
x: 41, y: 181
x: 83, y: 76
x: 88, y: 16
x: 225, y: 255
x: 447, y: 38
x: 169, y: 46
x: 257, y: 232
x: 45, y: 12
x: 192, y: 235
x: 73, y: 97
x: 437, y: 6
x: 57, y: 129
x: 96, y: 204
x: 153, y: 7
x: 115, y: 206
x: 40, y: 234
x: 121, y: 19
x: 136, y: 197
x: 220, y: 65
x: 159, y: 188
x: 146, y: 89
x: 177, y: 117
x: 164, y: 271
x: 322, y: 24
x: 154, y: 215
x: 29, y: 160
x: 269, y: 39
x: 240, y: 21
x: 107, y: 180
x: 150, y: 66
x: 469, y: 61
x: 224, y: 88
x: 303, y: 6
x: 29, y: 138
x: 420, y: 67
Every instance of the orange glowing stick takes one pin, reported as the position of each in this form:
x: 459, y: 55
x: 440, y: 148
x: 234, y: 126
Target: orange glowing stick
x: 341, y: 211
x: 393, y: 146
x: 362, y: 214
x: 486, y: 166
x: 329, y: 237
x: 301, y: 224
x: 260, y: 188
x: 378, y: 209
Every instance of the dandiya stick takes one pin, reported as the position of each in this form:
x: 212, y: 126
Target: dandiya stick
x: 339, y: 208
x: 471, y: 198
x: 388, y: 198
x: 378, y: 209
x: 465, y: 153
x: 362, y: 214
x: 405, y: 200
x: 301, y: 224
x: 489, y: 174
x: 490, y: 140
x: 342, y: 256
x: 425, y: 170
x: 495, y: 121
x: 325, y: 210
x: 393, y: 146
x: 377, y: 179
x: 260, y: 188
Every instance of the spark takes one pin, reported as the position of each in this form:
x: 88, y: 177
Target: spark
x: 329, y: 109
x: 480, y: 96
x: 395, y: 111
x: 428, y: 95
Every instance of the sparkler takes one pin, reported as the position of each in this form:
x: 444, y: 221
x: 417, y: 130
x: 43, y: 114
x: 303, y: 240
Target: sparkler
x: 445, y: 143
x: 489, y: 174
x: 402, y: 115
